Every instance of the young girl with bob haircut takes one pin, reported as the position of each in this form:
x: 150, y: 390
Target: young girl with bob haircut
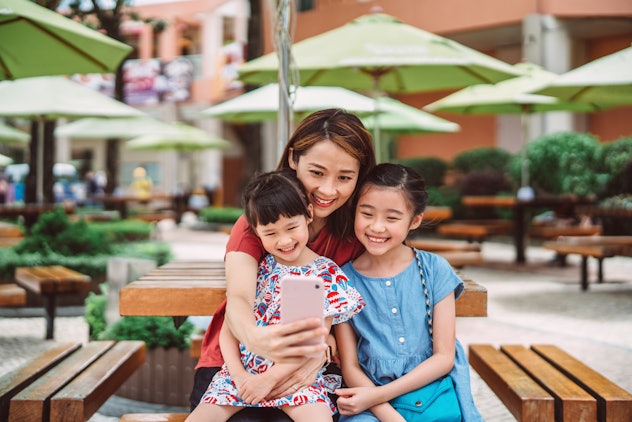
x: 405, y: 338
x: 330, y: 151
x: 278, y: 212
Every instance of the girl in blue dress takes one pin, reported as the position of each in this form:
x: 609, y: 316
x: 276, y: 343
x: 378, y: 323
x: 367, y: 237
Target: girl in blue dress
x: 278, y: 212
x: 398, y: 344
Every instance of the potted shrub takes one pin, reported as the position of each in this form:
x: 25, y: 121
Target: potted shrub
x: 166, y: 377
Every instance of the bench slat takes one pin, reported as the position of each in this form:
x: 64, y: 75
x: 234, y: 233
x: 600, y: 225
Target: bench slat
x: 12, y: 295
x: 524, y: 398
x: 29, y: 404
x: 16, y: 380
x: 88, y: 391
x: 613, y: 402
x: 572, y: 403
x: 154, y: 417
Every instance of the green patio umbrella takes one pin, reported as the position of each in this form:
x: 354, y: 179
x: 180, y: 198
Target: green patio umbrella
x: 182, y: 138
x: 5, y: 161
x: 115, y: 127
x: 47, y: 98
x: 510, y: 97
x: 35, y: 41
x: 607, y: 80
x: 11, y: 135
x: 379, y: 53
x: 398, y: 118
x: 262, y: 104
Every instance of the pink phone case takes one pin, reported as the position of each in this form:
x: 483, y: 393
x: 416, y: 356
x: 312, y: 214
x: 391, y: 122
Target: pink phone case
x: 302, y: 297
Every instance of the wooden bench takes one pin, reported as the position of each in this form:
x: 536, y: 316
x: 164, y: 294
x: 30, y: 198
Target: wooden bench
x: 544, y: 383
x: 458, y: 253
x: 51, y: 281
x: 12, y: 295
x: 475, y: 230
x: 598, y: 247
x: 69, y: 381
x: 10, y: 235
x: 154, y: 417
x: 553, y: 232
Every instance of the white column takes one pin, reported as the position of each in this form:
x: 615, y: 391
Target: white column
x: 547, y: 42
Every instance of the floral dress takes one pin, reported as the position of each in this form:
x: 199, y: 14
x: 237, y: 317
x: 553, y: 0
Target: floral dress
x: 342, y: 302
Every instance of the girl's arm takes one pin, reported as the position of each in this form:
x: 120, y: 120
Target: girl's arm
x: 362, y: 394
x: 274, y: 342
x: 230, y: 351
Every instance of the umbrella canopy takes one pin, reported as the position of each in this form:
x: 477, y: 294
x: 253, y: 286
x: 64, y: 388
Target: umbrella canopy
x: 607, y: 80
x: 57, y: 96
x: 263, y: 103
x: 510, y: 97
x: 5, y: 161
x: 117, y: 127
x: 50, y: 97
x: 397, y: 118
x: 180, y: 137
x: 37, y: 41
x: 10, y: 135
x: 377, y: 51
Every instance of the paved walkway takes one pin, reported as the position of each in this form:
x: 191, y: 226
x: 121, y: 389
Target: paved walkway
x: 533, y: 303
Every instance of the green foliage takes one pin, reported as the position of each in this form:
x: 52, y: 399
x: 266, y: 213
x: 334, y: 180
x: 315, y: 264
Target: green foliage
x: 123, y: 230
x: 487, y: 182
x: 433, y: 169
x: 154, y: 331
x: 93, y: 265
x: 563, y: 163
x: 446, y: 196
x: 95, y: 305
x: 482, y: 159
x: 53, y: 233
x: 221, y: 215
x: 616, y: 165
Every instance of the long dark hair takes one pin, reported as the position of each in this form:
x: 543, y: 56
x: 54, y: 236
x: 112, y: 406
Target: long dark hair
x: 346, y: 131
x: 271, y: 195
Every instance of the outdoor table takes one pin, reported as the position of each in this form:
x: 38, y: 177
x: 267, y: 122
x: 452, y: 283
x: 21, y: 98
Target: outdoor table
x: 435, y: 214
x: 50, y: 281
x: 520, y: 212
x: 183, y: 288
x: 121, y: 203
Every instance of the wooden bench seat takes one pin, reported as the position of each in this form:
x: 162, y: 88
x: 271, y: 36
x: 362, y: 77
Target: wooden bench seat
x: 10, y: 235
x: 154, y: 417
x: 475, y: 230
x: 544, y: 383
x: 553, y: 232
x: 598, y: 247
x: 444, y: 245
x: 12, y: 295
x: 68, y: 382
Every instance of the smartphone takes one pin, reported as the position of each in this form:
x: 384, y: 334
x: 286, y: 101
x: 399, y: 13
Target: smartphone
x: 302, y: 297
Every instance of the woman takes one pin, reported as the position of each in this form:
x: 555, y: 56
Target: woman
x: 330, y: 151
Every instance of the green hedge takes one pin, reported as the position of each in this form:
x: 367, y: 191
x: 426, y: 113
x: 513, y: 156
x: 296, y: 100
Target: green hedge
x: 221, y: 215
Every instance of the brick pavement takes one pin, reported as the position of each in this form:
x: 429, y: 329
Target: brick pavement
x: 534, y: 303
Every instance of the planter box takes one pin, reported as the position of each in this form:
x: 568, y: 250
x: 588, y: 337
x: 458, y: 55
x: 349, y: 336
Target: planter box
x: 165, y: 378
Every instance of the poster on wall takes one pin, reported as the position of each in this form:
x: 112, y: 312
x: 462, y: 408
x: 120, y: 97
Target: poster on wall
x: 147, y: 82
x: 151, y: 81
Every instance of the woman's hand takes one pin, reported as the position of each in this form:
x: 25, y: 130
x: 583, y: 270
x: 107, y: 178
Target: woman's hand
x: 300, y: 377
x: 277, y: 342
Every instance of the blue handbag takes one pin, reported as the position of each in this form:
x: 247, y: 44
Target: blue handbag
x: 435, y: 402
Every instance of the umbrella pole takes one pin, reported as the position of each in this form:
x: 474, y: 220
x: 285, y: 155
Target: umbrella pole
x: 524, y: 165
x: 376, y: 127
x: 283, y: 28
x: 39, y: 181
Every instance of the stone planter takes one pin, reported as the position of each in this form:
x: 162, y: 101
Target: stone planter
x: 166, y: 378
